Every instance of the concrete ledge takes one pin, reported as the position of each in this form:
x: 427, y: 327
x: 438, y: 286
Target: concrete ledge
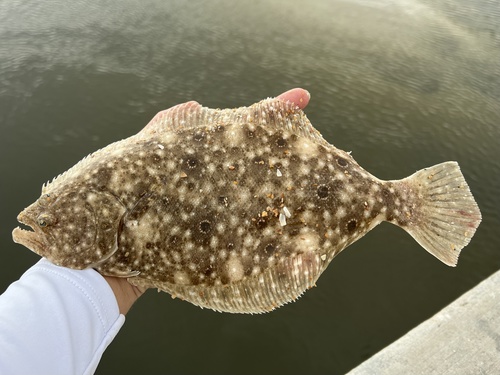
x: 463, y: 338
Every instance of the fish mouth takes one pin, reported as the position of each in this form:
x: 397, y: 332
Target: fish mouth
x: 31, y: 238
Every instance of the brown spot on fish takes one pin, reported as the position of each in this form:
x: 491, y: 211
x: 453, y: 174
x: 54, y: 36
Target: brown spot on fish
x: 205, y: 226
x: 323, y: 191
x: 199, y: 136
x: 261, y: 222
x: 191, y: 163
x: 342, y: 162
x: 281, y: 142
x: 351, y: 225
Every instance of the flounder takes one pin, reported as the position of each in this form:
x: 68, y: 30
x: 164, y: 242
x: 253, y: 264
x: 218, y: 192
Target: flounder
x: 238, y: 210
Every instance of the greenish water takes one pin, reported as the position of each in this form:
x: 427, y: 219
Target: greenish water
x: 403, y: 84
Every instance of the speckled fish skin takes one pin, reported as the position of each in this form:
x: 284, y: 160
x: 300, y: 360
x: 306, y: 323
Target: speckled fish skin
x: 238, y: 210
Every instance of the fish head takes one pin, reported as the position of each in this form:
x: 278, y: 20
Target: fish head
x: 71, y: 229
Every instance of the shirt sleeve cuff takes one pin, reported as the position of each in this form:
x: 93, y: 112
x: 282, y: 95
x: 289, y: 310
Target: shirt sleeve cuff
x: 59, y: 318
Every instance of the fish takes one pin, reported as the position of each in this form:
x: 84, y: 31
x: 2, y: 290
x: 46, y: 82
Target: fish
x: 237, y: 210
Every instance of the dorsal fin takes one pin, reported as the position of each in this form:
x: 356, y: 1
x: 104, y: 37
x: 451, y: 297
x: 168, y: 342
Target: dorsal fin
x: 179, y: 116
x: 83, y: 165
x: 271, y: 112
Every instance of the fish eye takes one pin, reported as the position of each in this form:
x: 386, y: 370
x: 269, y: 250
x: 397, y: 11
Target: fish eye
x: 42, y: 221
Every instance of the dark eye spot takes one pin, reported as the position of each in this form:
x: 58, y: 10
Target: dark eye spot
x: 192, y: 163
x: 269, y: 249
x: 323, y: 191
x: 250, y: 134
x: 42, y: 222
x: 173, y: 240
x: 342, y: 162
x: 261, y: 223
x: 199, y: 137
x: 208, y: 270
x: 205, y: 226
x: 219, y: 128
x: 281, y: 142
x: 259, y: 160
x: 223, y: 200
x: 351, y: 225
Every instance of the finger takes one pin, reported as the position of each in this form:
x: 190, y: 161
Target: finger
x: 299, y: 97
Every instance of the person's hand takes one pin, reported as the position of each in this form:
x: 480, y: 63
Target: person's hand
x: 126, y: 294
x: 299, y: 97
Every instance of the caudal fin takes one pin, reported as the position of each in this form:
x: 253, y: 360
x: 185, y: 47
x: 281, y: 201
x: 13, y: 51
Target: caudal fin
x: 447, y: 215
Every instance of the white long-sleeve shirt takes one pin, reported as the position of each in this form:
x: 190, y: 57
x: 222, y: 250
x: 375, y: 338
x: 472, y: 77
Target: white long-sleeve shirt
x: 54, y: 320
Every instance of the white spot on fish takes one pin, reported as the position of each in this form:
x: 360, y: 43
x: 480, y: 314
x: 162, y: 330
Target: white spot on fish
x: 340, y: 213
x: 181, y: 278
x: 308, y: 240
x: 234, y: 269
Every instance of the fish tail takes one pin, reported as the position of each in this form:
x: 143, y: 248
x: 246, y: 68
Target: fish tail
x: 441, y: 213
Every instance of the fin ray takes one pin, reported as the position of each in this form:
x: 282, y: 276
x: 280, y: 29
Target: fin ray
x: 273, y: 112
x: 448, y: 214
